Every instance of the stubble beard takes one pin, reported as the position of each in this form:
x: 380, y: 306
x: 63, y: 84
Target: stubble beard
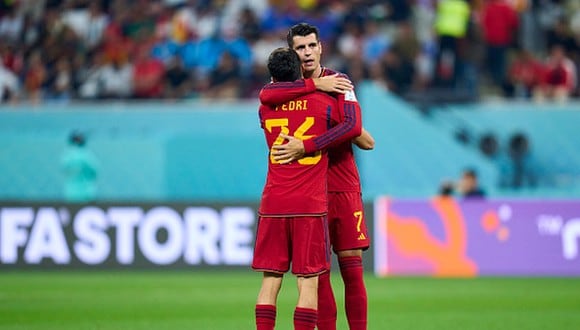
x: 310, y: 73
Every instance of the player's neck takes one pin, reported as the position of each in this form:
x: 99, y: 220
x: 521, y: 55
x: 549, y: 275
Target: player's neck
x: 317, y: 73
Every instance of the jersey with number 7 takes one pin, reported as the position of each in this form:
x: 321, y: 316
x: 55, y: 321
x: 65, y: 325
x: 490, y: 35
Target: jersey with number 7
x: 300, y: 187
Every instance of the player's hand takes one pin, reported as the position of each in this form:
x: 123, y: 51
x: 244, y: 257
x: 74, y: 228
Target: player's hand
x: 288, y: 152
x: 333, y: 84
x: 364, y: 141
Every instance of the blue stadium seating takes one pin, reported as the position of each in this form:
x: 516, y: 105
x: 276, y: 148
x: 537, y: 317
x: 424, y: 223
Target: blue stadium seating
x: 552, y: 130
x: 413, y: 155
x: 215, y: 151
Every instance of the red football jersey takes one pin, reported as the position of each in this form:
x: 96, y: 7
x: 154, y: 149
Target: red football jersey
x: 298, y: 188
x: 343, y: 173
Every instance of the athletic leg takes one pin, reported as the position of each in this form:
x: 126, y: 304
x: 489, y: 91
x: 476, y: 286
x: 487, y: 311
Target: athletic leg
x: 306, y: 313
x: 326, y: 303
x: 355, y: 294
x: 266, y: 302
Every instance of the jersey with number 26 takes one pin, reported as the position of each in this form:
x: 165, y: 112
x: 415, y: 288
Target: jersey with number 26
x: 300, y: 187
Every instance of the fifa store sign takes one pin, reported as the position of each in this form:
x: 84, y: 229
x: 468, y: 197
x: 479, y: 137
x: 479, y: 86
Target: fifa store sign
x: 126, y: 236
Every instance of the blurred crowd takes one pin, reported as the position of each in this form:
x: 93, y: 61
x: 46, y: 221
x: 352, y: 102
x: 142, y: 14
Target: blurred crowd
x: 62, y: 50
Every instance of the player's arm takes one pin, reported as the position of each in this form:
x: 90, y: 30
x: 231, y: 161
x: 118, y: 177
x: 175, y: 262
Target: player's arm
x: 364, y: 141
x: 349, y: 128
x: 276, y: 93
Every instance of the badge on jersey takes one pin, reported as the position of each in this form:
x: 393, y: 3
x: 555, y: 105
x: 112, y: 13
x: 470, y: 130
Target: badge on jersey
x: 350, y: 96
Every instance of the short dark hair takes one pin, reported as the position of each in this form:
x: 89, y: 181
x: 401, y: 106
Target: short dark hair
x: 302, y: 30
x: 470, y: 172
x: 284, y: 64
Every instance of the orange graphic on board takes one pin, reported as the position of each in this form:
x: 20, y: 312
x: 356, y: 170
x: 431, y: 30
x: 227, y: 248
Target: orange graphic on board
x: 448, y: 257
x: 491, y: 223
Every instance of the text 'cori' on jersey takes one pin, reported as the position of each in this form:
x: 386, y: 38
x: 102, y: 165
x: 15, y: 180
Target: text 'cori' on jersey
x: 293, y: 106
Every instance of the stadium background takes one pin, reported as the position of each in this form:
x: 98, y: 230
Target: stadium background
x: 202, y: 152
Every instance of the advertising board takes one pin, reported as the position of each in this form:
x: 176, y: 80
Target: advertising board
x: 133, y: 235
x: 448, y: 237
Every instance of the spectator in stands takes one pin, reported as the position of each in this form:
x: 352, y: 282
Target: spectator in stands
x: 399, y: 11
x: 452, y: 18
x: 261, y: 49
x: 250, y: 25
x: 79, y: 72
x: 491, y: 149
x: 410, y: 50
x: 166, y: 48
x: 361, y: 31
x: 239, y: 48
x: 225, y: 80
x: 397, y: 72
x: 115, y: 45
x: 375, y: 43
x: 522, y: 162
x: 208, y: 54
x: 96, y: 23
x: 11, y: 24
x: 350, y: 41
x: 89, y: 81
x: 35, y: 78
x: 356, y: 69
x: 8, y: 84
x: 489, y: 146
x: 204, y: 19
x: 59, y: 82
x: 188, y: 51
x: 525, y: 74
x: 423, y: 18
x: 80, y: 168
x: 115, y: 79
x: 30, y: 35
x: 446, y: 189
x: 11, y: 57
x: 178, y: 82
x: 320, y: 15
x: 86, y: 21
x: 471, y: 56
x: 560, y: 34
x: 575, y: 21
x: 560, y: 79
x: 51, y: 28
x: 278, y: 17
x: 139, y: 21
x: 500, y: 25
x: 148, y: 73
x: 468, y: 186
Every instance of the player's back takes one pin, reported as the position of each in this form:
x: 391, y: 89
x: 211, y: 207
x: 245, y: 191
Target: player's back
x: 298, y: 188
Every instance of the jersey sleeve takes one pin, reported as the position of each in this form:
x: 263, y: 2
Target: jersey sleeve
x: 349, y: 128
x: 260, y: 116
x: 281, y: 92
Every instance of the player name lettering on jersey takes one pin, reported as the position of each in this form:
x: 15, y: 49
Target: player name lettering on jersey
x: 298, y: 105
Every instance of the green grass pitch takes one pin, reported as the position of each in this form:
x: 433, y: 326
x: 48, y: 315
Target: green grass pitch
x: 207, y: 300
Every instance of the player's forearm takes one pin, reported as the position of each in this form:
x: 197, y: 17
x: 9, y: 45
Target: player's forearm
x: 364, y: 141
x: 345, y: 131
x: 281, y: 92
x: 337, y: 83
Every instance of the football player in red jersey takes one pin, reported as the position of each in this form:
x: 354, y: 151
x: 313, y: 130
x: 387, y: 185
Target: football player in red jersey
x: 347, y: 226
x: 292, y: 226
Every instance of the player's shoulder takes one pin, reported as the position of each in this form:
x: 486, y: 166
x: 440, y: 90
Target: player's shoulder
x: 323, y: 97
x: 348, y: 96
x: 329, y: 72
x: 264, y: 110
x: 264, y: 107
